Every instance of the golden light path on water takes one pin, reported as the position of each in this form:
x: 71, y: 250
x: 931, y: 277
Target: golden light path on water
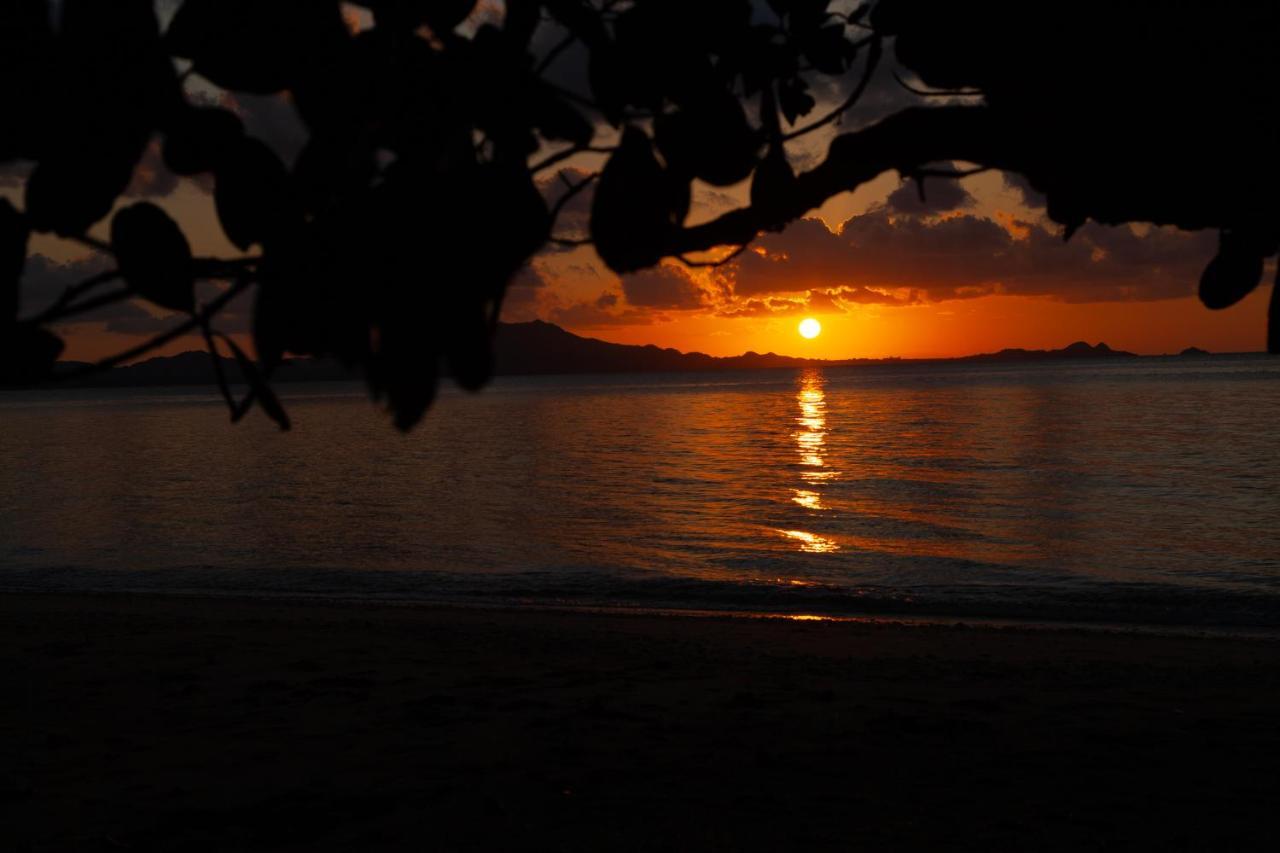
x: 810, y: 437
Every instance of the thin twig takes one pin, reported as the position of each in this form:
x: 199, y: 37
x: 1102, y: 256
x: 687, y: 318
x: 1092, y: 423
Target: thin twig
x: 554, y: 52
x: 917, y: 174
x: 87, y: 305
x: 241, y: 284
x: 873, y: 60
x: 717, y: 263
x: 92, y: 243
x: 219, y: 375
x: 573, y: 190
x: 566, y: 153
x: 937, y: 93
x: 69, y: 295
x: 584, y: 101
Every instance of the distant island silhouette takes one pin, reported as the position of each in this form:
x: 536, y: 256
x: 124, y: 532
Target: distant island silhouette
x: 538, y: 348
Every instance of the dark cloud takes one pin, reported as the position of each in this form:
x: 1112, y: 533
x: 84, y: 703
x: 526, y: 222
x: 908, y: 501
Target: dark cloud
x: 871, y: 296
x: 596, y: 314
x: 44, y: 279
x: 574, y: 217
x: 664, y: 286
x: 771, y: 307
x: 1020, y: 185
x: 521, y: 302
x: 969, y: 255
x: 929, y: 197
x: 817, y: 302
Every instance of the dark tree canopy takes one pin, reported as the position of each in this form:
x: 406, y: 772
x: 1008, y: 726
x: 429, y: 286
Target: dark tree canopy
x: 375, y: 247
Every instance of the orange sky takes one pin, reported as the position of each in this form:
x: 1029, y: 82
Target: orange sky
x: 914, y: 273
x: 962, y: 328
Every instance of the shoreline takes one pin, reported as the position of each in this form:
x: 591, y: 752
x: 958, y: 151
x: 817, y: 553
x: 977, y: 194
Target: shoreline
x: 160, y: 723
x: 961, y: 619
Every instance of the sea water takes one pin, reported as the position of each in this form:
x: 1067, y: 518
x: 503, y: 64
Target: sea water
x: 1142, y: 492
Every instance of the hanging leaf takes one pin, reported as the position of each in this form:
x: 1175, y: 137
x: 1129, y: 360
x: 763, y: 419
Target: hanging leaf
x: 26, y: 54
x: 773, y: 187
x: 154, y: 256
x: 1273, y: 318
x: 405, y: 367
x: 70, y: 191
x: 1234, y: 272
x: 555, y: 119
x: 794, y: 99
x: 636, y: 207
x: 252, y: 46
x: 254, y: 196
x: 199, y: 137
x: 114, y: 86
x: 27, y: 354
x: 468, y: 350
x: 13, y: 256
x: 710, y: 139
x: 829, y: 50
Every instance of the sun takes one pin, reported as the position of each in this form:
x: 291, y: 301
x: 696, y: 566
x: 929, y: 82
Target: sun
x: 810, y: 328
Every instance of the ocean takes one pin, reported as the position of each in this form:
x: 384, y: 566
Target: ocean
x: 1111, y: 492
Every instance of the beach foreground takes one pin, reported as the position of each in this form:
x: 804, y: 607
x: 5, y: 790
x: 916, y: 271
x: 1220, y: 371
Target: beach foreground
x: 198, y: 724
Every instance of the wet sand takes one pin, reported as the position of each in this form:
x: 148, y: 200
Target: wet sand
x: 165, y: 724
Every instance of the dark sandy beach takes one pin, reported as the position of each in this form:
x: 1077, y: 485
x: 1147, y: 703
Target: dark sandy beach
x: 159, y: 724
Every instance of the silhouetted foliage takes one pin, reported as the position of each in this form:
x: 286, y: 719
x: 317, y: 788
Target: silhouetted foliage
x: 390, y: 242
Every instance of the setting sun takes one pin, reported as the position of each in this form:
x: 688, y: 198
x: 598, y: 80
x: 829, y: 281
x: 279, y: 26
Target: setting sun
x: 810, y: 328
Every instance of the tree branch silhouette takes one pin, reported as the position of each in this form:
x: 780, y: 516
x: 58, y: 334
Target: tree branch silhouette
x: 192, y: 323
x: 391, y: 178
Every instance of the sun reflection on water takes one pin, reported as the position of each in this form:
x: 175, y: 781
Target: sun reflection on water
x: 808, y: 499
x: 811, y: 439
x: 811, y: 543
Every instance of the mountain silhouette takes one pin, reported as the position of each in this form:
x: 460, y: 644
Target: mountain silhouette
x: 538, y: 348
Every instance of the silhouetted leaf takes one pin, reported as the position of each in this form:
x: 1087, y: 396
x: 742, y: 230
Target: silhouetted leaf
x: 27, y: 353
x: 154, y: 256
x: 1273, y: 318
x: 13, y: 256
x: 1234, y: 272
x: 70, y: 191
x: 794, y: 99
x: 270, y: 316
x: 252, y: 46
x: 114, y: 87
x: 526, y: 220
x: 636, y: 206
x: 468, y: 350
x: 773, y: 185
x: 709, y: 139
x: 254, y: 195
x: 198, y: 138
x: 406, y: 368
x: 556, y: 119
x: 26, y: 52
x: 829, y: 50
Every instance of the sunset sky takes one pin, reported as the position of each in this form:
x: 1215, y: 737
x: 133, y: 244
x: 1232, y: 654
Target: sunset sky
x: 974, y: 267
